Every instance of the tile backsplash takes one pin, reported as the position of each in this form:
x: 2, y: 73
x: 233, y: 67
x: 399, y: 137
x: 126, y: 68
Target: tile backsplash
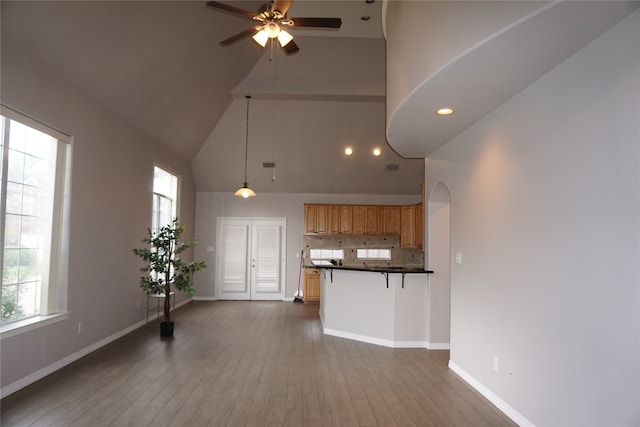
x: 350, y: 243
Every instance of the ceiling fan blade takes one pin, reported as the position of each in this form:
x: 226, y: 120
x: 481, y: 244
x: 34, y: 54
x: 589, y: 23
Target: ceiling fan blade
x: 240, y: 35
x: 317, y: 22
x: 234, y: 10
x: 290, y: 48
x: 281, y: 6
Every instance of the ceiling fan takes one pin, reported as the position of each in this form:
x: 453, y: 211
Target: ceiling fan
x: 270, y: 19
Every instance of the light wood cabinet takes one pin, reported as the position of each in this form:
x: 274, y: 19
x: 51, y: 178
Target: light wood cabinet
x: 412, y: 226
x: 372, y: 220
x: 419, y: 225
x: 311, y: 285
x: 408, y: 231
x: 345, y: 219
x: 393, y: 220
x: 405, y: 221
x: 310, y: 218
x: 316, y: 219
x: 359, y: 219
x: 322, y: 219
x: 334, y: 219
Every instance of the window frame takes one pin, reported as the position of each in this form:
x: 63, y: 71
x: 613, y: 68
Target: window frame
x: 175, y: 203
x: 53, y: 298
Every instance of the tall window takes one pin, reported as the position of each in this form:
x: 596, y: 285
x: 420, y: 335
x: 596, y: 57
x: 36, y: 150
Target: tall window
x: 32, y: 168
x: 165, y: 198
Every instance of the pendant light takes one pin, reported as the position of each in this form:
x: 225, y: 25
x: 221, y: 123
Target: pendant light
x: 245, y: 191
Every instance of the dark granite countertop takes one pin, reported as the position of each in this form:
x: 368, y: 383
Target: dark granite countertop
x: 401, y: 270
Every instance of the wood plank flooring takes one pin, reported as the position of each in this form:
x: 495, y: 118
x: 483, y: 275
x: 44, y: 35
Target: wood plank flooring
x: 235, y: 363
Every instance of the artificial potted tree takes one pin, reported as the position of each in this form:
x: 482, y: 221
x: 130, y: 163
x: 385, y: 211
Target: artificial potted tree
x: 165, y: 269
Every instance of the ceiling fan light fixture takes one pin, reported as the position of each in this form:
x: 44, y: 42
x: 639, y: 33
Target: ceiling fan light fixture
x: 284, y: 38
x: 272, y: 29
x: 261, y: 37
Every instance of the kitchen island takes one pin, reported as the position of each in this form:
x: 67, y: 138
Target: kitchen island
x: 379, y: 305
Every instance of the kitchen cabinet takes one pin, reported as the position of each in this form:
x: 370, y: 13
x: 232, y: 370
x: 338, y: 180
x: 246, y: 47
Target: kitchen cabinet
x: 359, y: 219
x: 403, y: 221
x: 322, y: 219
x: 311, y: 285
x: 392, y: 220
x: 316, y: 219
x: 419, y: 225
x: 412, y: 226
x: 334, y: 219
x: 408, y: 230
x: 372, y: 220
x: 310, y: 218
x: 345, y: 219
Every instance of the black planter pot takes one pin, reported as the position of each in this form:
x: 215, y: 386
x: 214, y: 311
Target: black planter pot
x: 166, y: 329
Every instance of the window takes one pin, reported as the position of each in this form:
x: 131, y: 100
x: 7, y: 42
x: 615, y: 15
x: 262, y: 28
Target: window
x: 33, y: 168
x: 374, y: 253
x: 165, y: 198
x: 326, y: 253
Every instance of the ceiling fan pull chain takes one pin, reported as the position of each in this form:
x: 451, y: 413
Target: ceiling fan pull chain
x: 271, y: 44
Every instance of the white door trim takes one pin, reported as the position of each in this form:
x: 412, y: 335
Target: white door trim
x: 252, y: 222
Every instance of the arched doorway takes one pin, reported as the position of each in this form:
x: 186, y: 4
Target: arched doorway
x: 439, y: 259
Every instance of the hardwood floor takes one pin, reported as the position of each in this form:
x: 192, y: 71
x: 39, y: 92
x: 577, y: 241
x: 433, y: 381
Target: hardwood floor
x: 236, y: 363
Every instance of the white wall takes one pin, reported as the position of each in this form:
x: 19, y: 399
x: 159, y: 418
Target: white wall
x: 209, y: 206
x: 546, y: 213
x: 110, y: 211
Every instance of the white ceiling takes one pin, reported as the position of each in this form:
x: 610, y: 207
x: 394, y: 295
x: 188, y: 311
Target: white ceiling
x: 480, y: 54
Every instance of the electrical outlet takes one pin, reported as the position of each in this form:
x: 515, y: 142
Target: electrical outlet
x: 458, y: 257
x: 495, y: 363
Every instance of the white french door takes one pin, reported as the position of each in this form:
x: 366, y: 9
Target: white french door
x: 250, y: 262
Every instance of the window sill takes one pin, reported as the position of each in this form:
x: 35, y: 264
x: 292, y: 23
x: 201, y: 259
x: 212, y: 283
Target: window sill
x: 30, y: 324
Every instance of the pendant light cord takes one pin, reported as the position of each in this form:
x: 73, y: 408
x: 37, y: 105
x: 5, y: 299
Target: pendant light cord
x: 246, y: 144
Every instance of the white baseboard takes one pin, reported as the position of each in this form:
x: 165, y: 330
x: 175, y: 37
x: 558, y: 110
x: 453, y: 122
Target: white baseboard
x: 205, y: 299
x: 438, y: 346
x: 517, y: 417
x: 375, y: 340
x: 41, y: 373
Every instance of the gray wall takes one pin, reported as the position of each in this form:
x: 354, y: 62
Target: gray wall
x: 546, y: 213
x: 110, y: 210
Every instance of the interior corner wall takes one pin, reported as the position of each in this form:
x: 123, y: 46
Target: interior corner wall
x: 110, y: 211
x: 211, y: 205
x: 545, y: 208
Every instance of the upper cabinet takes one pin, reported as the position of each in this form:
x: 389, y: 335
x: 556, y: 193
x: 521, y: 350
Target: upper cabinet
x: 403, y: 221
x: 346, y: 219
x: 310, y: 219
x: 316, y: 219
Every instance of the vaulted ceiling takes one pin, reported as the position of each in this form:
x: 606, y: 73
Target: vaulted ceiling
x: 159, y: 66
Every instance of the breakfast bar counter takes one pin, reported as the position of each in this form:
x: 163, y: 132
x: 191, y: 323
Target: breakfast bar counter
x: 388, y: 311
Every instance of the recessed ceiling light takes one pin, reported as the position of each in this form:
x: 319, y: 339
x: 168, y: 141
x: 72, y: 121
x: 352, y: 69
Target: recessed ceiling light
x: 348, y: 151
x: 365, y: 17
x: 445, y: 111
x: 376, y: 152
